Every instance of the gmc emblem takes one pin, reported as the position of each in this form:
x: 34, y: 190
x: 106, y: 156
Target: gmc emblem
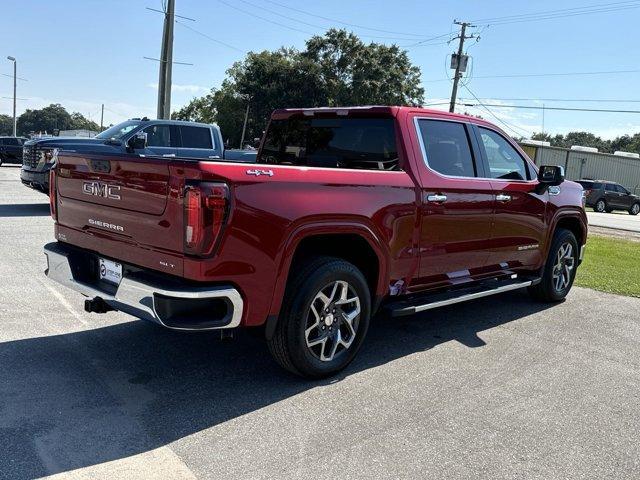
x: 101, y: 189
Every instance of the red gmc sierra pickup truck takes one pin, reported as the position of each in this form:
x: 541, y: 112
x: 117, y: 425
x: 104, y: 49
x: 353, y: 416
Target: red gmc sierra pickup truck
x: 346, y: 211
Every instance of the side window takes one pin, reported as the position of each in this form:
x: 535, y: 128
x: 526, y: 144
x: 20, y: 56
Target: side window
x: 196, y: 137
x: 12, y: 141
x: 610, y: 187
x: 504, y: 160
x: 621, y: 189
x: 447, y: 148
x: 159, y: 136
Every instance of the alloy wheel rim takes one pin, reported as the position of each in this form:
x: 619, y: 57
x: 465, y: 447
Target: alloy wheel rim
x: 332, y: 320
x: 563, y: 267
x: 636, y: 208
x: 600, y: 206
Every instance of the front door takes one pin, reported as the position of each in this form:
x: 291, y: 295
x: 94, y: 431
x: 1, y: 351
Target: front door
x: 457, y: 204
x: 162, y: 141
x: 519, y: 220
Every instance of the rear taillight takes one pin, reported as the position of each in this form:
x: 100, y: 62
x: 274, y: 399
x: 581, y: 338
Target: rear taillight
x: 206, y: 207
x: 52, y: 194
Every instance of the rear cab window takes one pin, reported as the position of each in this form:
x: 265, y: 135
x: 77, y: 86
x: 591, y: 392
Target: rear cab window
x: 196, y: 137
x: 354, y: 143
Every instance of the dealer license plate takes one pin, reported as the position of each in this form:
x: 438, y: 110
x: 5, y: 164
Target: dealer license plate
x: 110, y: 271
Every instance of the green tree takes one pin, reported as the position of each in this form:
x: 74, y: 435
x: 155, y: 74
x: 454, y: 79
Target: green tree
x: 80, y: 122
x: 336, y: 69
x: 6, y: 125
x: 45, y: 119
x: 53, y: 117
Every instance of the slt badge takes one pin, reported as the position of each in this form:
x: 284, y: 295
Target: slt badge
x: 257, y: 173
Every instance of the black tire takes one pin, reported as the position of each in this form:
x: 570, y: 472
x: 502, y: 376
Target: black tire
x: 635, y: 209
x: 546, y: 290
x: 289, y: 343
x: 600, y: 206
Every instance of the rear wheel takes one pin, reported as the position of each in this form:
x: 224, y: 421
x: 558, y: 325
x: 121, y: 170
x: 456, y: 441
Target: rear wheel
x: 635, y: 209
x: 600, y: 206
x: 559, y: 270
x: 324, y: 319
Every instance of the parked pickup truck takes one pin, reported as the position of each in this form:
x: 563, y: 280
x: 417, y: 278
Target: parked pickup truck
x: 11, y: 149
x: 347, y: 211
x: 133, y: 138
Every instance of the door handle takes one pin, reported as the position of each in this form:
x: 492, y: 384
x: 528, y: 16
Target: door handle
x: 169, y: 155
x: 437, y: 198
x: 501, y: 197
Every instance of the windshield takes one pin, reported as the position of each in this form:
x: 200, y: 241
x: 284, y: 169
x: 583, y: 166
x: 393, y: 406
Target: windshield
x: 118, y: 131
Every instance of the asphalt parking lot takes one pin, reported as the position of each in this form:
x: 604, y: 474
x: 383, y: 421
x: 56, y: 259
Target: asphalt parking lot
x: 497, y: 388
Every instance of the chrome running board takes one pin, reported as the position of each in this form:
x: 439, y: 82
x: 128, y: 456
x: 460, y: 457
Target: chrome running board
x: 453, y: 297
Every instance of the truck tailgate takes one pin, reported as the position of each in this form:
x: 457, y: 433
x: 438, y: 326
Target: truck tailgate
x: 127, y: 200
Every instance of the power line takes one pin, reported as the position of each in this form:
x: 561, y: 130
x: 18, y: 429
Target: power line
x: 510, y: 127
x: 321, y: 27
x: 11, y: 76
x: 553, y: 17
x: 251, y: 14
x: 600, y: 100
x: 175, y: 16
x: 561, y: 13
x: 215, y: 40
x: 553, y: 74
x: 425, y: 42
x: 531, y: 107
x: 354, y: 25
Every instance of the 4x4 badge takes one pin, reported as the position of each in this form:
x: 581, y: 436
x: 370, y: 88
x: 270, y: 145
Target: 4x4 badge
x: 257, y: 173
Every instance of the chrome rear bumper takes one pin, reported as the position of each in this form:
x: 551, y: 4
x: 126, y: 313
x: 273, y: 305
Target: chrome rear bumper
x: 141, y: 298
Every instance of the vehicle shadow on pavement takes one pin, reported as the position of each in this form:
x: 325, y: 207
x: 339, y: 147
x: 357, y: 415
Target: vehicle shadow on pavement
x: 25, y: 210
x: 80, y: 399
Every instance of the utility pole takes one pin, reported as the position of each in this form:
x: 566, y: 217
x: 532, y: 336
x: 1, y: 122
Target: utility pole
x: 166, y: 62
x: 102, y: 117
x: 244, y: 125
x: 460, y: 64
x: 15, y: 78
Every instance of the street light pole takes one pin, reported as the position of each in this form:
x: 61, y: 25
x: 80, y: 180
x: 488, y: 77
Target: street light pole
x: 15, y: 79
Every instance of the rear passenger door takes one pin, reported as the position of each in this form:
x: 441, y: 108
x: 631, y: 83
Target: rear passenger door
x: 457, y: 204
x: 611, y: 195
x: 197, y: 142
x: 519, y: 220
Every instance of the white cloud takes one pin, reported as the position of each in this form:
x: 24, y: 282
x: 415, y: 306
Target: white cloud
x: 182, y: 88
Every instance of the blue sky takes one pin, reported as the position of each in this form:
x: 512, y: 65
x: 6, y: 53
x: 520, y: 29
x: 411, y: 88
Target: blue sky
x: 81, y: 53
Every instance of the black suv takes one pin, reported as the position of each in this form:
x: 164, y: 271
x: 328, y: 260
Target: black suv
x: 11, y: 149
x: 604, y: 196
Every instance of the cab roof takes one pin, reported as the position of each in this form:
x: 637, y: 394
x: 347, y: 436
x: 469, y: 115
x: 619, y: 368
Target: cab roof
x: 382, y: 110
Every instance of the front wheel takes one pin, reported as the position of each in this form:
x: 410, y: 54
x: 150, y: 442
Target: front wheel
x: 635, y: 209
x: 559, y: 270
x: 324, y: 318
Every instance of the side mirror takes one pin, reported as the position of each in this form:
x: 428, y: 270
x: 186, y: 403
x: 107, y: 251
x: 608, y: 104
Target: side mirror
x: 550, y: 175
x: 138, y: 141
